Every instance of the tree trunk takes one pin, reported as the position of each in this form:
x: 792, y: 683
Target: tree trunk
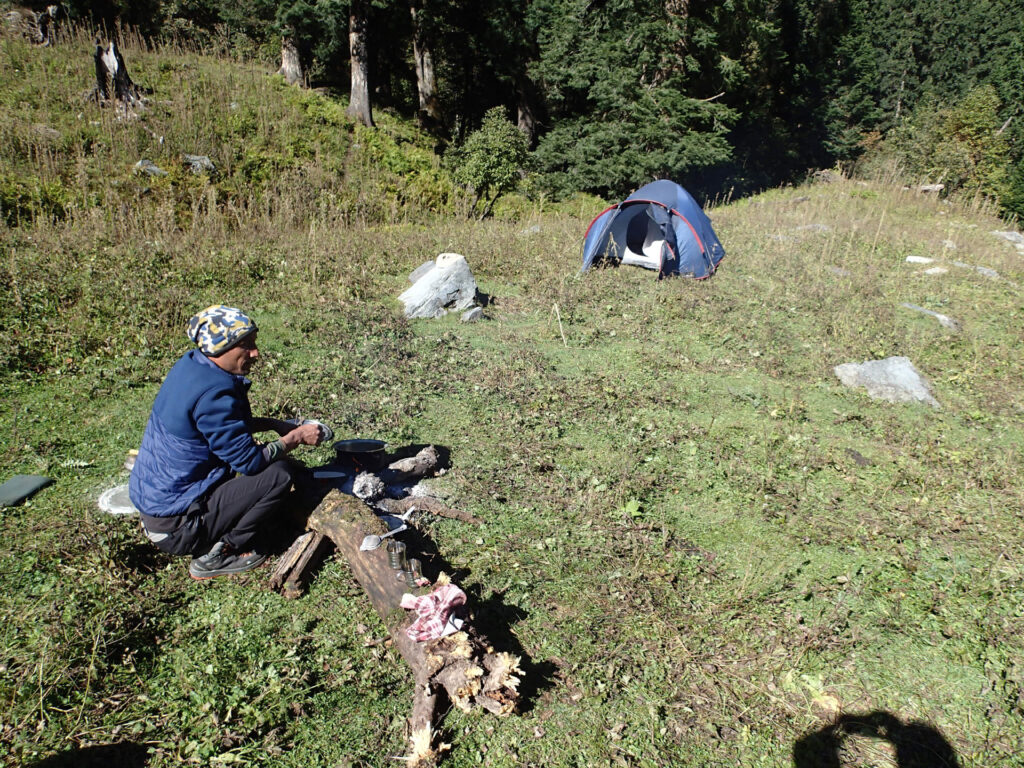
x: 429, y: 114
x: 291, y: 63
x: 359, y: 56
x: 527, y: 117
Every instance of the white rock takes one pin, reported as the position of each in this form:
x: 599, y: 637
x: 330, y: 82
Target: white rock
x: 1011, y: 237
x: 420, y: 271
x: 944, y: 320
x: 368, y: 487
x: 919, y: 260
x: 986, y: 271
x: 149, y: 168
x: 198, y: 164
x: 449, y: 286
x: 894, y: 379
x: 936, y: 271
x: 115, y: 501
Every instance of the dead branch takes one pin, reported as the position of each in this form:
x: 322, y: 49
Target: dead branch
x: 428, y: 504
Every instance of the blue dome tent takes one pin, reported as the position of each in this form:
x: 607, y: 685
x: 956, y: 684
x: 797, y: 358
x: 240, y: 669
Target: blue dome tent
x: 660, y: 226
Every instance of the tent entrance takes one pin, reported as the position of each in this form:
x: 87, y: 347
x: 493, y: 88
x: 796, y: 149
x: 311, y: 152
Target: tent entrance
x: 644, y: 243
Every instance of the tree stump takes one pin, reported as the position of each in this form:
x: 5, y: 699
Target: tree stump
x: 291, y: 63
x: 113, y: 84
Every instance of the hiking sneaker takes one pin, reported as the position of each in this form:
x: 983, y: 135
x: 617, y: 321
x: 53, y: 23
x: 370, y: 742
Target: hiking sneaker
x: 220, y: 561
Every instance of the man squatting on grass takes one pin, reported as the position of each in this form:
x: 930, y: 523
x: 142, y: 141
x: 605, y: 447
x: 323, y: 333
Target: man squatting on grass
x: 199, y: 435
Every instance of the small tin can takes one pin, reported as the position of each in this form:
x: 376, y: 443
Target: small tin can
x: 396, y: 555
x: 414, y: 573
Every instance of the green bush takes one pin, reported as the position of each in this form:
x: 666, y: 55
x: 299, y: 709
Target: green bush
x: 490, y: 161
x: 958, y: 145
x: 1013, y: 201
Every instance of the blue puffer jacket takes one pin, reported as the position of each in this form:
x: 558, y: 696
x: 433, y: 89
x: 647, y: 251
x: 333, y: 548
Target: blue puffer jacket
x: 199, y: 432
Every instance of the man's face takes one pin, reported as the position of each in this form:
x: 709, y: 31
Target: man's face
x: 239, y: 359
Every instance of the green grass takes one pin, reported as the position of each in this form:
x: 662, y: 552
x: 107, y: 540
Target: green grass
x: 703, y: 546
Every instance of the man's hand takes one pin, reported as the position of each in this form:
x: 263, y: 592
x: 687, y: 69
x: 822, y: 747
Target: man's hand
x: 304, y: 434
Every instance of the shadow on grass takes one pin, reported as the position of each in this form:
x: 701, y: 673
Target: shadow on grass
x: 917, y: 745
x: 141, y: 556
x: 124, y: 754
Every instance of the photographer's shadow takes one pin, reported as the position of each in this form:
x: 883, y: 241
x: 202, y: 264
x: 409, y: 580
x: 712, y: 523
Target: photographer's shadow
x: 917, y: 745
x: 119, y: 755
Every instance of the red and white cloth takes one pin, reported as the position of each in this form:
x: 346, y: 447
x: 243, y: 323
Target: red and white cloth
x: 434, y: 612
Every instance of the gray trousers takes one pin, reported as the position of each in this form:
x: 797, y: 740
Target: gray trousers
x: 235, y: 512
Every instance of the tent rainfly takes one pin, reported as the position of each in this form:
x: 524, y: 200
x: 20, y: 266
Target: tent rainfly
x: 661, y: 227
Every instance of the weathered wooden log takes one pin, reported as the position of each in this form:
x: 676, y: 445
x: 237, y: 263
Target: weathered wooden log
x: 289, y: 559
x: 463, y: 664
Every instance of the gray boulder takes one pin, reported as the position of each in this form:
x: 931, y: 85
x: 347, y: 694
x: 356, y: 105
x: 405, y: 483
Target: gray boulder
x: 420, y: 271
x: 149, y: 168
x: 1014, y: 238
x: 449, y: 286
x: 894, y: 379
x: 986, y: 271
x: 198, y: 164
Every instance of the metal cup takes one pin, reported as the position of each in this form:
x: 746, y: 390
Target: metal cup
x: 414, y: 572
x: 396, y: 555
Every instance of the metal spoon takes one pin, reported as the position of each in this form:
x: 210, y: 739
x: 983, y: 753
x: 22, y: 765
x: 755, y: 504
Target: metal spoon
x: 373, y: 541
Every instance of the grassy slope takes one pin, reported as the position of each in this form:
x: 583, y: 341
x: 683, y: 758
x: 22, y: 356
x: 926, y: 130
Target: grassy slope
x: 679, y: 536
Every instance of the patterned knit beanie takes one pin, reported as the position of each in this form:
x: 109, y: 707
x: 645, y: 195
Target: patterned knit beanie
x: 218, y: 328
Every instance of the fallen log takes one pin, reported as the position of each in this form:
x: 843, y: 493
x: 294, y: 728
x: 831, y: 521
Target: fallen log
x: 463, y: 664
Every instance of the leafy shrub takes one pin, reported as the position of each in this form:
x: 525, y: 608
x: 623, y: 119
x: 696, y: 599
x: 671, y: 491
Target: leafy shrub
x: 491, y: 159
x: 1013, y: 201
x: 959, y: 145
